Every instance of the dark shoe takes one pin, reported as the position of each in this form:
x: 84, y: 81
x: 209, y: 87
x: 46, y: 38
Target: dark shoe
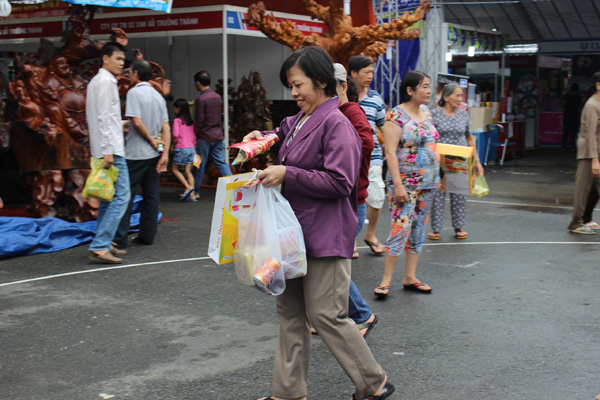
x: 117, y: 252
x: 373, y: 246
x: 137, y: 240
x: 380, y: 295
x: 416, y: 287
x: 386, y: 392
x: 106, y: 258
x: 368, y: 326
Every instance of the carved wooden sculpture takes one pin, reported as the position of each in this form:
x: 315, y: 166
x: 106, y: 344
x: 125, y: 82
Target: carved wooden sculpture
x: 342, y: 40
x: 48, y: 130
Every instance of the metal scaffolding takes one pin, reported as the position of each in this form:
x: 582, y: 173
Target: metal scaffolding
x: 433, y: 44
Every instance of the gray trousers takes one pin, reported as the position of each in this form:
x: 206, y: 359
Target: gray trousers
x: 584, y: 181
x: 321, y: 300
x: 458, y: 211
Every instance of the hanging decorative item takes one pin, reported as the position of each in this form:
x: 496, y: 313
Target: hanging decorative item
x: 527, y: 93
x: 5, y: 8
x: 479, y: 40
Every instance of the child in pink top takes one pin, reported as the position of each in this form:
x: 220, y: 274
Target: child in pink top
x: 184, y: 139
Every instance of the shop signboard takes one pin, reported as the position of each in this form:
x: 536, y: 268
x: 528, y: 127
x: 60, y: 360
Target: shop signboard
x: 181, y: 21
x: 31, y: 30
x: 235, y: 20
x: 159, y: 23
x: 51, y: 8
x: 561, y: 47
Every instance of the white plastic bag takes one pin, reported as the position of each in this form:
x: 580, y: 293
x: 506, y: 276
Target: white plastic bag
x: 270, y: 246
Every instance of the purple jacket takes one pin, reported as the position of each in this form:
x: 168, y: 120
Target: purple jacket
x: 321, y: 179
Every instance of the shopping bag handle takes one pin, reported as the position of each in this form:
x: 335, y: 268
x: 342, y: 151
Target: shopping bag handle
x: 254, y: 180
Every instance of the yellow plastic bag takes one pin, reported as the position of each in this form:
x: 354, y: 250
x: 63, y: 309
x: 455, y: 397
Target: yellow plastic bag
x: 100, y: 183
x: 197, y: 160
x: 481, y: 187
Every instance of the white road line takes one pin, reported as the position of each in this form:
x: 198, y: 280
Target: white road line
x: 485, y: 243
x: 87, y: 271
x: 519, y: 204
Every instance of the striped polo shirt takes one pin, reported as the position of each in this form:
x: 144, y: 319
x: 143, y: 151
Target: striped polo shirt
x: 374, y: 107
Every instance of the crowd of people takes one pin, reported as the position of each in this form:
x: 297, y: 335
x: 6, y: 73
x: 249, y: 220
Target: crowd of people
x: 329, y: 163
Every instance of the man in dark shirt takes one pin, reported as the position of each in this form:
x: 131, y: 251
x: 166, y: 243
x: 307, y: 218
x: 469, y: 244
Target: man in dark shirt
x: 208, y: 128
x: 571, y: 103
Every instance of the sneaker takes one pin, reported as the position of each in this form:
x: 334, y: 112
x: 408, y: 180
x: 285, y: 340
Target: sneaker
x: 583, y: 230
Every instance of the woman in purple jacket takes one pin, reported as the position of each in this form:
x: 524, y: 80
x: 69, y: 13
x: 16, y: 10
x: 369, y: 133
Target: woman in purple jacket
x: 319, y: 156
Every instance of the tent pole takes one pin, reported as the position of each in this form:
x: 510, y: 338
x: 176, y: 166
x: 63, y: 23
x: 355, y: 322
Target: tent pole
x: 225, y: 87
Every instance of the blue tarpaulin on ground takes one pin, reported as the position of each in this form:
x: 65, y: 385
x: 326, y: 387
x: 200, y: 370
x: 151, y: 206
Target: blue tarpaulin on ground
x: 22, y: 236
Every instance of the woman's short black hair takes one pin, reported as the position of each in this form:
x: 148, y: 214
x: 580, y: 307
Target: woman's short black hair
x: 316, y: 64
x: 411, y: 79
x: 357, y: 63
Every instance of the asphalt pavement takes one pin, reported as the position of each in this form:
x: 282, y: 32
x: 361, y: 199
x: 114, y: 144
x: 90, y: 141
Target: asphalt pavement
x: 514, y: 312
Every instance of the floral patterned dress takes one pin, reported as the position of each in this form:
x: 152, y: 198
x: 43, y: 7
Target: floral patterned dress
x: 419, y: 164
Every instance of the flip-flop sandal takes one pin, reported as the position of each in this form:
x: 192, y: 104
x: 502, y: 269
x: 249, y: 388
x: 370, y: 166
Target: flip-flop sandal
x: 583, y: 230
x: 461, y: 234
x: 186, y: 195
x: 355, y: 255
x: 372, y: 246
x: 368, y: 326
x: 433, y: 236
x: 381, y: 295
x: 415, y: 288
x: 592, y: 225
x: 386, y: 392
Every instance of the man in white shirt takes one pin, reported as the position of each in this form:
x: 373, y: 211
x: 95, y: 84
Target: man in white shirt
x: 103, y: 113
x: 149, y: 127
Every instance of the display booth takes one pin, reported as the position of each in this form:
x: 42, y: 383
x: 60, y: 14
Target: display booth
x: 212, y: 38
x: 563, y: 63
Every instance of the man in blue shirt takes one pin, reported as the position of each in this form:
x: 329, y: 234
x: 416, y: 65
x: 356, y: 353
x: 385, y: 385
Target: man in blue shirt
x: 361, y: 69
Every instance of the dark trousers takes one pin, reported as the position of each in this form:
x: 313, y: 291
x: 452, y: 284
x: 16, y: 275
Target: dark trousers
x: 142, y: 172
x: 570, y: 131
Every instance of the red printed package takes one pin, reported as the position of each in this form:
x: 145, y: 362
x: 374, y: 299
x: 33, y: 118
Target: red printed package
x: 252, y: 148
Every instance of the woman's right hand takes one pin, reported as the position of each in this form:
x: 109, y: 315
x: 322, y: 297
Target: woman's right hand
x: 401, y: 194
x: 252, y: 136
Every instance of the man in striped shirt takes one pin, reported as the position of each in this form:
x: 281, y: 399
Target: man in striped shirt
x: 361, y: 69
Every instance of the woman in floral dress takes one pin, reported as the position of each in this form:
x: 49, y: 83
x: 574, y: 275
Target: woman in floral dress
x: 413, y: 177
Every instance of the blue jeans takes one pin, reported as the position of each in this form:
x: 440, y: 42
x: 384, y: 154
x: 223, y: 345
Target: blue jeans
x: 217, y: 152
x: 110, y: 214
x: 358, y: 309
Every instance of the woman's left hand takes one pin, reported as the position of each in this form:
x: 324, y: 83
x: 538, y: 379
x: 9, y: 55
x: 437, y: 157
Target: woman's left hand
x: 478, y: 168
x: 272, y: 175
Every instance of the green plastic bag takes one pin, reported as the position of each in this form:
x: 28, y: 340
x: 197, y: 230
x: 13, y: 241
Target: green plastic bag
x: 481, y: 187
x: 100, y: 183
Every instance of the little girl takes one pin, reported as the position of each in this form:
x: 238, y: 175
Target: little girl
x: 184, y: 152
